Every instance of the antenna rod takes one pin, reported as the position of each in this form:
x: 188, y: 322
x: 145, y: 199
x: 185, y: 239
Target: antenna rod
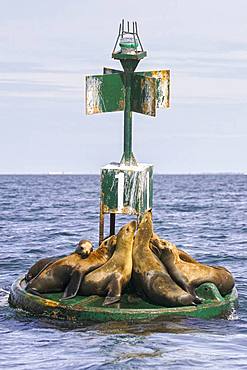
x: 122, y: 27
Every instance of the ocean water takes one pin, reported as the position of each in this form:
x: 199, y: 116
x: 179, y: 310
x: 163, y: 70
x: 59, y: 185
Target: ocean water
x: 40, y: 216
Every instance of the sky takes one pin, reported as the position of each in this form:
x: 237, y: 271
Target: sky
x: 48, y: 47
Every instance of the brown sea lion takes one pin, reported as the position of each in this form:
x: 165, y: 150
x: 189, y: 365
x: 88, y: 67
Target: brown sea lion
x: 83, y: 248
x: 110, y: 279
x: 39, y: 266
x: 190, y: 272
x: 182, y: 254
x: 150, y: 277
x: 57, y: 275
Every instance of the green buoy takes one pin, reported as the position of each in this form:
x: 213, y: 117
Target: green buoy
x: 126, y: 188
x: 130, y: 308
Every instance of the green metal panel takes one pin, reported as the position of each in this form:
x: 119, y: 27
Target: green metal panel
x: 130, y: 307
x: 105, y: 93
x: 127, y: 189
x: 143, y: 95
x: 109, y: 188
x: 162, y: 78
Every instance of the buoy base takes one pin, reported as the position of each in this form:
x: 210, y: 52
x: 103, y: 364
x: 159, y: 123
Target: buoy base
x: 128, y: 309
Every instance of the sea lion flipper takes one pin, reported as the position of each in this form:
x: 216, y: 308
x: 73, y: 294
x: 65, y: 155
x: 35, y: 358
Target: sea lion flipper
x: 114, y: 290
x: 32, y: 291
x: 74, y: 284
x: 110, y: 300
x: 154, y: 249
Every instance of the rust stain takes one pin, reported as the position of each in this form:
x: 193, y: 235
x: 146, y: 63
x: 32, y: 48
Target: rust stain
x: 93, y: 95
x: 163, y: 88
x: 127, y: 210
x: 121, y: 104
x: 50, y: 303
x: 148, y: 92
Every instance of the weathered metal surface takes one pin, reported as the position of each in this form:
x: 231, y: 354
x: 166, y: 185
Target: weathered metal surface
x: 105, y: 93
x: 141, y: 92
x: 128, y: 155
x: 129, y: 308
x: 112, y: 223
x: 162, y: 91
x: 101, y: 222
x: 137, y: 56
x: 143, y: 95
x: 150, y: 90
x: 126, y: 189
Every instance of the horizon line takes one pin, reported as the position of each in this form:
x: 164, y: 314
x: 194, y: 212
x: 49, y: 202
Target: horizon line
x: 98, y: 174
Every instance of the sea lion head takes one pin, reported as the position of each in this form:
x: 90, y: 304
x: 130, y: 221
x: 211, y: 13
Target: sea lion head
x: 155, y: 240
x: 108, y: 245
x: 154, y: 245
x: 146, y: 225
x: 84, y: 248
x: 127, y: 231
x: 161, y: 246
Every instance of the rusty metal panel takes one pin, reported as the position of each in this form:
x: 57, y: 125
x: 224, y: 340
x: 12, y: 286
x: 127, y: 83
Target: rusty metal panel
x: 162, y: 86
x: 105, y: 93
x: 143, y: 98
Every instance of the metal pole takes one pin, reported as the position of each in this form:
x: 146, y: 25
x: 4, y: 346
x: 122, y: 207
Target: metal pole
x: 128, y: 120
x: 129, y: 67
x: 101, y: 223
x: 112, y: 223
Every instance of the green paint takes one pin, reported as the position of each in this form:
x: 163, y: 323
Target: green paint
x: 128, y: 44
x: 127, y: 120
x: 162, y: 88
x: 141, y: 92
x: 129, y: 66
x: 130, y: 308
x: 137, y: 192
x: 137, y: 56
x: 109, y: 188
x: 105, y: 93
x: 144, y: 95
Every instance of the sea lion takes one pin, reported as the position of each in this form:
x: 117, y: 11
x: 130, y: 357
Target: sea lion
x: 39, y: 266
x: 96, y: 259
x: 57, y: 275
x: 83, y: 248
x: 110, y: 279
x: 150, y: 277
x: 157, y: 250
x: 190, y: 271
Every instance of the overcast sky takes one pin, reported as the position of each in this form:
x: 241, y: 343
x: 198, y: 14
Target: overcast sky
x: 47, y: 48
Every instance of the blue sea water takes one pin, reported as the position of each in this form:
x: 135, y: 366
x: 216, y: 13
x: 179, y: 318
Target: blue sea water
x: 40, y: 216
